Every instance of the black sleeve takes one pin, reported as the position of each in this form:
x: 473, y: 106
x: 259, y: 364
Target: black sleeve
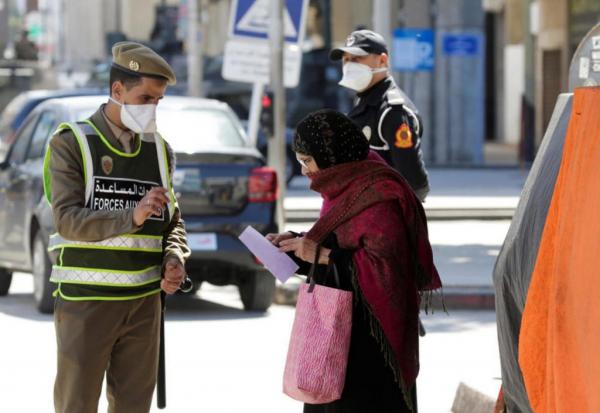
x: 401, y: 131
x: 342, y: 258
x: 304, y: 266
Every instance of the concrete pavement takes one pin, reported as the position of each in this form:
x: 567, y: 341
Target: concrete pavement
x: 221, y: 359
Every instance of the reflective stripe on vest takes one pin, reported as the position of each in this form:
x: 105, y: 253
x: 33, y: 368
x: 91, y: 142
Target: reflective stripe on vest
x: 163, y: 166
x: 124, y: 242
x: 85, y: 153
x: 84, y: 263
x: 97, y: 276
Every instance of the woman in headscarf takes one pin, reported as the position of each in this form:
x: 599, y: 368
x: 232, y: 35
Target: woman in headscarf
x: 373, y: 229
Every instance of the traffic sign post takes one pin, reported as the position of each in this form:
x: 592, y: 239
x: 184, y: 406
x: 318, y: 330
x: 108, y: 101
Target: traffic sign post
x: 251, y: 62
x: 247, y: 52
x: 250, y: 19
x: 265, y: 39
x: 276, y: 145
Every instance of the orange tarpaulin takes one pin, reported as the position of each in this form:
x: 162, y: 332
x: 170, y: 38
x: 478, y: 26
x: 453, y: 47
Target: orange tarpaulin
x: 559, y: 347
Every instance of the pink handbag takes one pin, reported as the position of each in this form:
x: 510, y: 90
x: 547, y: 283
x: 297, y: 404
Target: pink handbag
x: 315, y: 369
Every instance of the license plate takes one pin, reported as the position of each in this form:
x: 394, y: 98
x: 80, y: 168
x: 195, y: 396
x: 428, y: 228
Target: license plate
x: 206, y: 241
x: 187, y: 180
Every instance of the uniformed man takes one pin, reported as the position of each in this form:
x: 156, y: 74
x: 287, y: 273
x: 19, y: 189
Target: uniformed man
x: 385, y: 114
x: 25, y: 49
x: 119, y: 229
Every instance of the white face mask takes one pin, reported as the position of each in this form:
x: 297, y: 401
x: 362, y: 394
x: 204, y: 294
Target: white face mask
x: 358, y: 76
x: 138, y: 118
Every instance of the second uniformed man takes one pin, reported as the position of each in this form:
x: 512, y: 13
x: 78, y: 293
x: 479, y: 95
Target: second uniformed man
x: 108, y: 180
x: 385, y: 114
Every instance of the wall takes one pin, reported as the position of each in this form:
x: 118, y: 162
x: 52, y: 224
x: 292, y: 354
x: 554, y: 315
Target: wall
x: 419, y: 85
x: 459, y: 86
x: 552, y: 36
x: 514, y: 69
x: 514, y: 86
x: 137, y: 17
x: 346, y: 15
x: 3, y: 25
x: 82, y: 32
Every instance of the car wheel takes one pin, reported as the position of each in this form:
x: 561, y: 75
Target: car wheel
x: 5, y: 280
x: 42, y: 287
x: 257, y: 291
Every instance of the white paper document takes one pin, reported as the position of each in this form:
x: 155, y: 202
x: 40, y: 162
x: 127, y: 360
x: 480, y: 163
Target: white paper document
x: 277, y: 262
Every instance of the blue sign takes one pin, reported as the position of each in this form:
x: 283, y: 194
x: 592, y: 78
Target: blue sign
x: 252, y: 19
x: 413, y: 50
x: 461, y: 45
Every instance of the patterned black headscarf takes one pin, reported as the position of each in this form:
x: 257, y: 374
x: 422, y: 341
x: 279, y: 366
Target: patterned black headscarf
x: 331, y: 138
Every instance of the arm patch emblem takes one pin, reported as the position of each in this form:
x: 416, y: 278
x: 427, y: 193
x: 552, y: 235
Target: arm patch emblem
x: 403, y: 137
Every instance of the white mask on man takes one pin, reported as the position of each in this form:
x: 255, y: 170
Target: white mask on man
x: 138, y: 118
x: 358, y: 76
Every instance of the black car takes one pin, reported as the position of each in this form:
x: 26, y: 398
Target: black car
x: 221, y: 183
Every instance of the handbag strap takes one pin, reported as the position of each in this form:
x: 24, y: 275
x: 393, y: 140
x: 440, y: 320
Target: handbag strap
x: 311, y: 273
x: 332, y: 268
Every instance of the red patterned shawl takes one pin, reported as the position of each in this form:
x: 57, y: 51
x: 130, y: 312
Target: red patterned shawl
x: 373, y: 211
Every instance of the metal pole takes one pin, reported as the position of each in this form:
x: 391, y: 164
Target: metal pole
x: 277, y: 143
x: 381, y: 19
x: 258, y: 90
x: 194, y: 49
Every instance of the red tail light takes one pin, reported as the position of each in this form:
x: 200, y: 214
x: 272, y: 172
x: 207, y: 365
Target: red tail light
x: 262, y: 185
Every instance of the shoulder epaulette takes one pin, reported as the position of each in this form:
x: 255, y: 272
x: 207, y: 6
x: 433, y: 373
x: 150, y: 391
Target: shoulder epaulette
x: 394, y: 97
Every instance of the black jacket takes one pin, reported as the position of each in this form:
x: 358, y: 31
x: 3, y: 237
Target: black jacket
x: 391, y: 123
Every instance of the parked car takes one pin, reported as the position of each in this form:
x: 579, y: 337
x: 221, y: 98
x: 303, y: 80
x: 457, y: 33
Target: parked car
x: 220, y: 182
x: 20, y: 106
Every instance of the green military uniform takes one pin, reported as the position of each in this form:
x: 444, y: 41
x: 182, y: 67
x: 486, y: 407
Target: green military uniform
x: 107, y: 311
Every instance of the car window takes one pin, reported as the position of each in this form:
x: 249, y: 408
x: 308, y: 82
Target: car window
x: 84, y: 113
x: 19, y: 148
x: 191, y: 130
x: 4, y: 147
x: 10, y: 112
x: 45, y: 126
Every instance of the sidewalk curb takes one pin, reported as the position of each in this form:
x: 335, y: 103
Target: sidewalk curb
x: 467, y: 298
x: 310, y: 215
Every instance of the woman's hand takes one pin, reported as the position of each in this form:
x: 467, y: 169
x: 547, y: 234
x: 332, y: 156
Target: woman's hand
x: 277, y: 238
x: 304, y: 249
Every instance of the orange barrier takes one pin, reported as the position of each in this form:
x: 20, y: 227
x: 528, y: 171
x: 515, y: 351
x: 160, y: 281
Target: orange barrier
x: 559, y: 344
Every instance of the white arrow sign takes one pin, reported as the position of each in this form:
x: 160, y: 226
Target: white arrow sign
x: 257, y: 19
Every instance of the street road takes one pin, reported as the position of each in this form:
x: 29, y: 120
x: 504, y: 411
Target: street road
x: 223, y: 360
